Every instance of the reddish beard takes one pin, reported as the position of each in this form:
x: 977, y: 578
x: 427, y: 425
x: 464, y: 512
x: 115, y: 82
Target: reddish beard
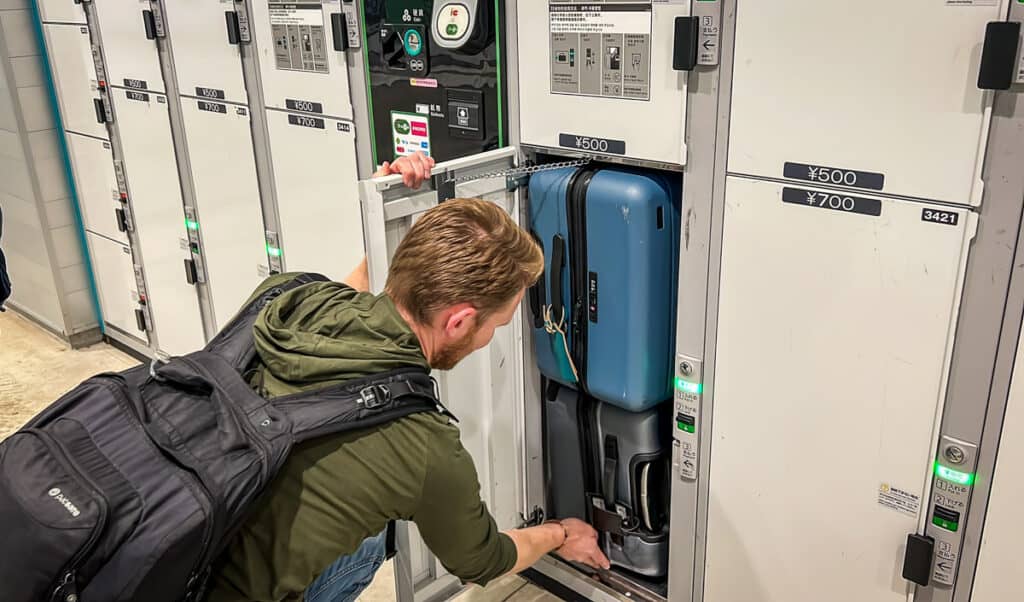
x: 450, y: 355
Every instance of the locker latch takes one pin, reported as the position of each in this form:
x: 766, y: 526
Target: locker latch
x: 339, y: 31
x: 917, y: 561
x: 122, y: 219
x: 684, y: 46
x: 999, y: 55
x: 191, y: 271
x: 140, y: 320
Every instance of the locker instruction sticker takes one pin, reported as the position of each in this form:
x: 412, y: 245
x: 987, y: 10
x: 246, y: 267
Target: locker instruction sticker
x: 600, y: 49
x: 410, y: 133
x: 899, y: 500
x: 300, y: 42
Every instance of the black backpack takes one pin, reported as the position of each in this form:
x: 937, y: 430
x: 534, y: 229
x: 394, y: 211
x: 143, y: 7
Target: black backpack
x: 129, y: 486
x: 5, y: 280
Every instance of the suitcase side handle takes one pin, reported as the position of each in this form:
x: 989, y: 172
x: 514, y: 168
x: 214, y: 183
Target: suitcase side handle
x: 555, y: 283
x: 537, y: 293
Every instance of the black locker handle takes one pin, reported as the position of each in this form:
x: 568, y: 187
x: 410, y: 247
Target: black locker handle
x: 191, y: 275
x: 917, y: 560
x: 555, y: 277
x: 999, y: 55
x: 611, y: 466
x: 339, y: 31
x: 234, y: 33
x: 122, y: 220
x: 149, y: 22
x: 684, y: 45
x: 101, y: 115
x: 140, y: 319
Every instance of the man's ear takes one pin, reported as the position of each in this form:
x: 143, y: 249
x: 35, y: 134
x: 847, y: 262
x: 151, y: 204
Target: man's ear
x: 459, y: 320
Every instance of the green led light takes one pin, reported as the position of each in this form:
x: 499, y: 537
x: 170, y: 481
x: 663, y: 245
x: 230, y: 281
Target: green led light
x: 960, y: 478
x: 191, y: 224
x: 689, y: 428
x: 945, y: 524
x: 273, y: 251
x: 688, y: 387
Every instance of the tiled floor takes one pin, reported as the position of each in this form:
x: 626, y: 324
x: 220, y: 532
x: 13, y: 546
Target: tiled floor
x: 36, y: 368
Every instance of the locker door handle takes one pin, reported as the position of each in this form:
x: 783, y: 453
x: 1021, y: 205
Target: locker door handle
x: 999, y: 55
x: 684, y: 44
x: 339, y: 31
x: 101, y: 115
x: 149, y: 22
x: 122, y: 220
x: 234, y: 33
x: 140, y: 319
x: 191, y: 275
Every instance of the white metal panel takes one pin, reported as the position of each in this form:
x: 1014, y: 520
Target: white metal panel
x: 155, y: 195
x: 875, y: 86
x: 115, y: 279
x: 299, y: 74
x: 74, y: 74
x: 203, y: 56
x: 228, y: 201
x: 314, y: 164
x: 96, y: 184
x: 485, y: 390
x: 129, y: 54
x: 61, y: 11
x: 652, y: 129
x: 834, y: 331
x: 998, y: 574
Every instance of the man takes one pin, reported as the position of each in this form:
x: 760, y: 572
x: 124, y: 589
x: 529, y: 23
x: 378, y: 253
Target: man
x: 317, y: 534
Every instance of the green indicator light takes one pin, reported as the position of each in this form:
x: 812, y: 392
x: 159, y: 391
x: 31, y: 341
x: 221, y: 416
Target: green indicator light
x: 955, y: 476
x: 688, y: 387
x: 945, y: 524
x: 273, y: 251
x: 191, y: 224
x: 689, y: 428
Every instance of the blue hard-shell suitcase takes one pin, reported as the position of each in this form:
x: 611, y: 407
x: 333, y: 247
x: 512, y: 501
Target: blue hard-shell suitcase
x: 604, y: 313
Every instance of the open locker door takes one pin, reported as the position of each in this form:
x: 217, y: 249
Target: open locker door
x: 485, y: 390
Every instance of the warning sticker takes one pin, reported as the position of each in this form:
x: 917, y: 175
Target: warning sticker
x: 899, y: 500
x: 410, y: 133
x: 300, y: 43
x: 600, y: 49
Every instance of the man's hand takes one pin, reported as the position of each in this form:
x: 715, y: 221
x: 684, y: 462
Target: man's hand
x: 413, y: 169
x: 581, y: 545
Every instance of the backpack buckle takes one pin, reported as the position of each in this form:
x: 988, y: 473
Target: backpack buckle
x: 375, y: 396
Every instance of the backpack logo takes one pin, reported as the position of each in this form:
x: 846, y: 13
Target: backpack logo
x: 64, y: 501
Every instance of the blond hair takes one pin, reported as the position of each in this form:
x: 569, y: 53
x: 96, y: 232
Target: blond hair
x: 462, y: 251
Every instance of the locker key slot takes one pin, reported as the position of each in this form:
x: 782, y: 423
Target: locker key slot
x: 339, y: 31
x: 999, y: 56
x: 149, y: 22
x: 234, y: 32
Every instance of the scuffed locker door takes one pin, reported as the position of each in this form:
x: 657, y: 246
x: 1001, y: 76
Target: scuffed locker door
x: 484, y: 391
x: 835, y: 324
x: 115, y: 278
x: 61, y: 11
x: 154, y: 193
x: 876, y: 95
x: 301, y: 53
x: 205, y: 37
x: 314, y: 164
x: 98, y: 196
x: 998, y: 560
x: 129, y: 29
x: 74, y: 74
x: 230, y: 218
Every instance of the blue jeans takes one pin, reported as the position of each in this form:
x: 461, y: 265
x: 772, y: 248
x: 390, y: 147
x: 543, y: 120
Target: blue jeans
x: 344, y: 580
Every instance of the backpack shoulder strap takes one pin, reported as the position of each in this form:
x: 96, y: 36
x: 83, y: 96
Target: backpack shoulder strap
x: 235, y: 343
x: 361, y: 403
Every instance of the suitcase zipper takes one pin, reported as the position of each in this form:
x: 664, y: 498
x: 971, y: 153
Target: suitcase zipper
x: 576, y: 210
x: 68, y: 588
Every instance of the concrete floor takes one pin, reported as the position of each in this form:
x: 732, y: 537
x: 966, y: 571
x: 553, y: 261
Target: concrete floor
x: 36, y: 368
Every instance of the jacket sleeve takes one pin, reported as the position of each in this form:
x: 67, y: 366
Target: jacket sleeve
x: 455, y: 523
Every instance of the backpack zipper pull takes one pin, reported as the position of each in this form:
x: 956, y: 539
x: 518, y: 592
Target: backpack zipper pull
x: 67, y: 591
